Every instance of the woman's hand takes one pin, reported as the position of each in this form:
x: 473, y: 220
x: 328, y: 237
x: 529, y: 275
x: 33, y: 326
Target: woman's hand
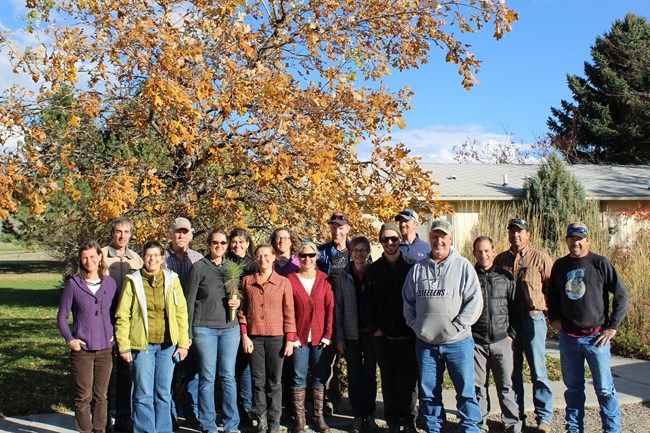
x: 182, y: 352
x: 126, y: 356
x: 288, y: 348
x: 246, y: 344
x: 234, y: 303
x: 323, y: 344
x: 75, y: 344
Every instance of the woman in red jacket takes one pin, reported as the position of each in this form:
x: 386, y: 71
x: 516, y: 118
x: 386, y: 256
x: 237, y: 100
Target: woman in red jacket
x: 313, y: 301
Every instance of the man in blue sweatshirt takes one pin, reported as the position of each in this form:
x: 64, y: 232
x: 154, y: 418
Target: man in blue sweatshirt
x: 442, y: 300
x: 578, y: 307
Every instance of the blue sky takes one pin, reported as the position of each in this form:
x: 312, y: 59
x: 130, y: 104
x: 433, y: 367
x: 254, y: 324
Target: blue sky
x: 522, y: 75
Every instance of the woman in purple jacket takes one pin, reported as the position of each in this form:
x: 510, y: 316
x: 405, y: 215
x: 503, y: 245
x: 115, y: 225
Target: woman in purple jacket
x: 89, y: 295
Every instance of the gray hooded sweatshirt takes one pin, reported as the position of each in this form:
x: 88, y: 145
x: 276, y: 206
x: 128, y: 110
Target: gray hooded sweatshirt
x: 442, y: 301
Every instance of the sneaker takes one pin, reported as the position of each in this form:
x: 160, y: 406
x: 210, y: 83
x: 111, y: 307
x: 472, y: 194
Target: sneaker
x: 543, y: 428
x: 357, y: 425
x: 192, y: 422
x: 369, y: 424
x: 175, y: 425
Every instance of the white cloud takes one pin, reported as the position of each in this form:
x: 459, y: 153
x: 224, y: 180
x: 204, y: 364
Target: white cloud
x: 434, y: 143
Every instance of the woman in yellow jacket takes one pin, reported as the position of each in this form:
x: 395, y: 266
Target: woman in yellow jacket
x: 152, y: 334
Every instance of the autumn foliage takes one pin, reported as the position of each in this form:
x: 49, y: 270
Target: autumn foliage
x: 237, y: 112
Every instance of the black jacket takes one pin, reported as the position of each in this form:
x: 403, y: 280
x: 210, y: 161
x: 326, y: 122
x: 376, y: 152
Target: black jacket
x: 383, y: 307
x: 499, y: 318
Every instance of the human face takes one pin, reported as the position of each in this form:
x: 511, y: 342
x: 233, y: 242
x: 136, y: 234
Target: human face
x: 282, y: 243
x: 90, y: 261
x: 152, y: 260
x: 218, y: 246
x: 121, y: 236
x: 360, y: 255
x: 307, y: 262
x: 407, y: 228
x: 265, y: 258
x: 389, y: 242
x: 440, y: 244
x: 238, y: 246
x: 339, y: 233
x: 484, y: 253
x: 578, y: 247
x: 181, y: 239
x: 518, y: 238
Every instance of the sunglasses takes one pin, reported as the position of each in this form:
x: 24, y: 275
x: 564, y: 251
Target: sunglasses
x: 338, y: 217
x: 388, y: 239
x: 572, y: 230
x: 219, y: 243
x: 305, y: 255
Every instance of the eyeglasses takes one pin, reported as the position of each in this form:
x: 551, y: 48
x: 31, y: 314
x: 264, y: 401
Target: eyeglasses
x: 282, y: 238
x: 360, y: 250
x: 388, y: 239
x: 305, y: 255
x: 572, y: 230
x: 152, y: 256
x: 219, y: 243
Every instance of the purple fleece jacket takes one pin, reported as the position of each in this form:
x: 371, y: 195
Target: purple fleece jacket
x: 91, y: 315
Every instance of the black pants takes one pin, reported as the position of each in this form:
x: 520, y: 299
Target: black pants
x: 266, y: 368
x: 399, y: 375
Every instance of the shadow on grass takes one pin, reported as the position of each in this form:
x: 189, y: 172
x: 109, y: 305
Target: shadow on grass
x: 21, y: 298
x: 34, y: 374
x: 31, y: 266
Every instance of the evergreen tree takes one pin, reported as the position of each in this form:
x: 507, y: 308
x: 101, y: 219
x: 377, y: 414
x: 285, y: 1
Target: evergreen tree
x: 555, y: 197
x: 609, y: 120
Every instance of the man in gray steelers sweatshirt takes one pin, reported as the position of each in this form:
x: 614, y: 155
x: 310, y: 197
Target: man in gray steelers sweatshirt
x: 442, y: 299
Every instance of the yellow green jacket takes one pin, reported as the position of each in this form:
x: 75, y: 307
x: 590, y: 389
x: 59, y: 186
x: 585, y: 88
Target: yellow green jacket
x: 132, y: 327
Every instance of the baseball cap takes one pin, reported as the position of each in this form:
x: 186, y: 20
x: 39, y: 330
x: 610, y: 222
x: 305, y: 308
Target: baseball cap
x: 578, y: 230
x: 442, y: 225
x: 408, y: 215
x: 181, y: 223
x: 519, y: 223
x: 339, y: 219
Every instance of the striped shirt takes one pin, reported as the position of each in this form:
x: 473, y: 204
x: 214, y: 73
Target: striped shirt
x: 532, y: 271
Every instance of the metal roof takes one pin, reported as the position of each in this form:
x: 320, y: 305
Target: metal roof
x: 466, y: 182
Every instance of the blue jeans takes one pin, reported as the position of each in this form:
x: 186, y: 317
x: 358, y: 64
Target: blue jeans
x: 573, y: 352
x: 459, y: 359
x: 217, y: 347
x: 313, y: 358
x: 362, y: 375
x: 152, y: 372
x: 531, y: 341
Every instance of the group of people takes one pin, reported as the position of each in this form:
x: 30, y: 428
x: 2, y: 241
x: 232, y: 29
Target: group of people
x: 267, y: 320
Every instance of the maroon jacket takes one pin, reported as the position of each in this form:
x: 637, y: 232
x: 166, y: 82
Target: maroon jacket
x: 315, y: 311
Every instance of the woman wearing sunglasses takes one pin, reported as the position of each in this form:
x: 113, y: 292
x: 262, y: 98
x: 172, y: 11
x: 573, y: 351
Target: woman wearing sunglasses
x: 215, y: 337
x: 314, y: 308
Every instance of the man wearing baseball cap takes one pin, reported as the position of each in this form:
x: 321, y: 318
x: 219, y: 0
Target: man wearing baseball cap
x: 334, y: 255
x: 179, y: 257
x: 442, y: 300
x: 579, y: 309
x: 411, y: 245
x: 531, y: 270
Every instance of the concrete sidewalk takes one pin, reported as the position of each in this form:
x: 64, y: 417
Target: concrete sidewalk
x: 631, y: 376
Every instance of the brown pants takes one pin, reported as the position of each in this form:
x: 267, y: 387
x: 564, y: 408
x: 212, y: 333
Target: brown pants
x: 91, y: 371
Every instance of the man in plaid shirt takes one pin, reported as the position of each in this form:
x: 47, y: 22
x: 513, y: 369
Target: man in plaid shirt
x: 531, y: 270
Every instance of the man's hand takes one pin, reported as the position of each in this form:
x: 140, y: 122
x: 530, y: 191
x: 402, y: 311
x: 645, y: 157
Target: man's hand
x: 557, y: 325
x: 340, y: 347
x: 605, y: 336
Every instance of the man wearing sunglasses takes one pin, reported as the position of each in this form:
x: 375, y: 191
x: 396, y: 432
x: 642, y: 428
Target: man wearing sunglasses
x: 531, y: 270
x: 394, y: 340
x: 411, y: 246
x: 442, y: 300
x: 578, y: 308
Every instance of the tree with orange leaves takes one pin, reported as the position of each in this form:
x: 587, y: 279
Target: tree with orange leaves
x: 228, y: 111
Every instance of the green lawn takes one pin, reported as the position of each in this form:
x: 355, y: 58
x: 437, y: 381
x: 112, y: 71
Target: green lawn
x: 34, y: 368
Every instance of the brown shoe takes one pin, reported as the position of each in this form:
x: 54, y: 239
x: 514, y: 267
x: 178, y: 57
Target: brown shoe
x: 543, y: 428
